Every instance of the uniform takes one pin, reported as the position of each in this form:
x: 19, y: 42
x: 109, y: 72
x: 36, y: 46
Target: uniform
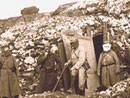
x: 78, y: 58
x: 49, y: 69
x: 108, y: 68
x: 9, y: 85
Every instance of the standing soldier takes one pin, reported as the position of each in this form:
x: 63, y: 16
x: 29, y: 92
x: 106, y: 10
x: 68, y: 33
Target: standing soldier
x: 9, y: 85
x: 78, y: 58
x: 108, y: 66
x: 50, y: 69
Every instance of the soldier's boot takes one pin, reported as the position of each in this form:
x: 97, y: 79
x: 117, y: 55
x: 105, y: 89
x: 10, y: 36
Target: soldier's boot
x: 72, y: 89
x: 16, y: 96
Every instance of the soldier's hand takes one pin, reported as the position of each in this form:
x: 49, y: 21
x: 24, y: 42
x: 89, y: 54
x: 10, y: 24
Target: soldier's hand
x: 46, y: 53
x: 73, y: 68
x: 58, y: 77
x: 66, y: 64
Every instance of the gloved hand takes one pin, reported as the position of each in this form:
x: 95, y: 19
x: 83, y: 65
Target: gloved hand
x: 58, y: 77
x: 67, y: 63
x: 72, y: 68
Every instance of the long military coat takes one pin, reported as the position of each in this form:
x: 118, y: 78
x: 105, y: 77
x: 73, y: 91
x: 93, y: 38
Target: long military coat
x: 9, y: 85
x: 48, y: 79
x: 108, y: 68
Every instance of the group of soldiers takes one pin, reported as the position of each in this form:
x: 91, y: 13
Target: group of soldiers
x: 108, y: 69
x: 51, y: 70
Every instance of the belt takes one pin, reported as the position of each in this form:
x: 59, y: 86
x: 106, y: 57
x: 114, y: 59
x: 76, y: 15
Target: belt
x: 108, y: 65
x: 49, y: 70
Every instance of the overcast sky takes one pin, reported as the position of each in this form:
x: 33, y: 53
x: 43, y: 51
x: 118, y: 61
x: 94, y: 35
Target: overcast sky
x: 11, y: 8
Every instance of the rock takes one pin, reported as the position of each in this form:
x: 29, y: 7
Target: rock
x: 29, y: 10
x: 54, y: 95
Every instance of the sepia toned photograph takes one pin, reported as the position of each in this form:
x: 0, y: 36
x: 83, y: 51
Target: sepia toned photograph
x: 65, y: 49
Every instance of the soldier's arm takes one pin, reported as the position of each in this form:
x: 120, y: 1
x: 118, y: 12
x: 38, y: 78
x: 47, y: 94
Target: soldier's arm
x: 58, y: 63
x: 69, y: 62
x: 41, y: 59
x: 81, y: 60
x: 117, y: 61
x: 16, y: 66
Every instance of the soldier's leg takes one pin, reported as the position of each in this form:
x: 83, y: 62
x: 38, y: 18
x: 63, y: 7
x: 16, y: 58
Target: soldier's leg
x: 42, y: 82
x: 51, y: 80
x: 73, y: 77
x: 81, y: 81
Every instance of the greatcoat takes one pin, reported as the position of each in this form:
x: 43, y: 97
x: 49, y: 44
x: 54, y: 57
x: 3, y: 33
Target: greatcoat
x: 50, y: 68
x: 108, y: 68
x: 9, y: 85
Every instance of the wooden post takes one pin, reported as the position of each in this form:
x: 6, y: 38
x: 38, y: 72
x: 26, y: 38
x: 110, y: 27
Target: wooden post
x: 105, y: 33
x: 89, y: 31
x: 63, y: 58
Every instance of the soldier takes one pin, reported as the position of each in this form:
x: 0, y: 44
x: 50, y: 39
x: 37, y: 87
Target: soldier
x: 9, y: 85
x: 77, y: 59
x: 50, y: 69
x: 108, y: 66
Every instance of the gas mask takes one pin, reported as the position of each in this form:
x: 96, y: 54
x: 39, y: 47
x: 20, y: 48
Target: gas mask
x: 74, y: 42
x: 74, y: 45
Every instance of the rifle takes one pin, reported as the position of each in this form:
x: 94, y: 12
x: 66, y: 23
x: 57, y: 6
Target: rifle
x: 66, y: 65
